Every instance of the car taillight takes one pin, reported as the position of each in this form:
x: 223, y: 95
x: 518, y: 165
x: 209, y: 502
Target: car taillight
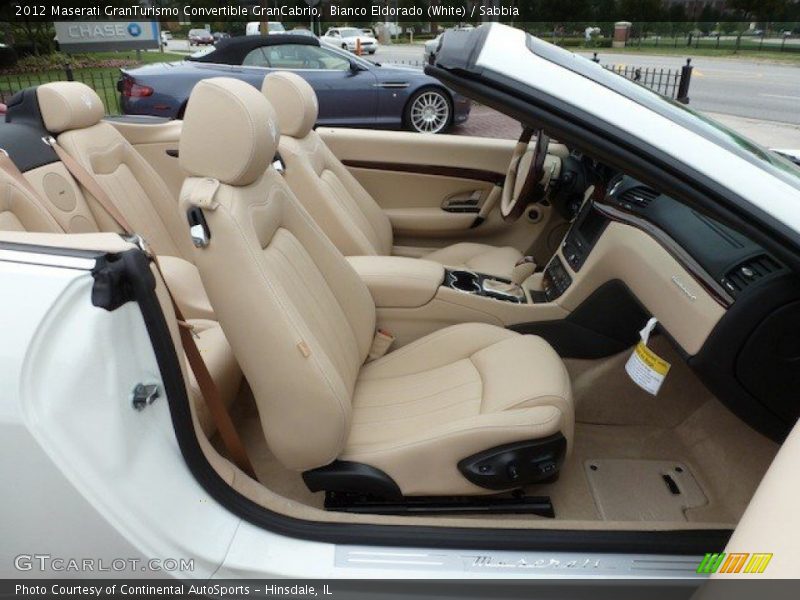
x: 131, y: 89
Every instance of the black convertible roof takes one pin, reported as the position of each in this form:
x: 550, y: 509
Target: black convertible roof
x: 231, y: 51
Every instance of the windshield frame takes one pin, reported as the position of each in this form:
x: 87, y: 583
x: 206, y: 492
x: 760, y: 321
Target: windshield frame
x: 686, y: 117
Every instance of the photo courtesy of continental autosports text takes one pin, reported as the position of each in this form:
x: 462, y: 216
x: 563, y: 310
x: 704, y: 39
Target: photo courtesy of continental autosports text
x: 399, y: 298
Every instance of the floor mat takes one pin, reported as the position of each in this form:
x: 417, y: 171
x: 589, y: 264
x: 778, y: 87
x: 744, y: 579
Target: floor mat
x: 643, y: 490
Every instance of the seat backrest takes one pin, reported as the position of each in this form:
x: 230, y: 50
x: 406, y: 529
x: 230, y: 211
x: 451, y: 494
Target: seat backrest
x: 73, y: 112
x: 21, y: 210
x: 299, y: 319
x: 333, y: 197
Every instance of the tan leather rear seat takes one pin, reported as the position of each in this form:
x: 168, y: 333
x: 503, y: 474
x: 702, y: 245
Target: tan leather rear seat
x: 74, y: 111
x: 20, y: 210
x: 301, y: 323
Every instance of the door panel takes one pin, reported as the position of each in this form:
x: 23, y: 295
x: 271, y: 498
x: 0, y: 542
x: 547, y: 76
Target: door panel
x: 157, y: 142
x: 414, y: 178
x: 771, y: 523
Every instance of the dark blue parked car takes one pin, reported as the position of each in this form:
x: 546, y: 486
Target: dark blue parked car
x: 352, y: 92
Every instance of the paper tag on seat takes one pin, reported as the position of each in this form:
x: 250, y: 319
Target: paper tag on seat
x: 646, y: 368
x: 380, y: 344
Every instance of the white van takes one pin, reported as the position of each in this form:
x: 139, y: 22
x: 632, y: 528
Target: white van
x: 254, y: 27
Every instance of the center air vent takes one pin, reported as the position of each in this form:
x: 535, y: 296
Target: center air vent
x: 749, y: 272
x: 639, y: 197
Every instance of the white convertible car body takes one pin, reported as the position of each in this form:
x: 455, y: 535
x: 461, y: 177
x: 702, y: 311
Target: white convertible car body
x: 95, y: 465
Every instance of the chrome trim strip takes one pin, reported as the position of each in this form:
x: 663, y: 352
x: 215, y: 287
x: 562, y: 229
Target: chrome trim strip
x: 47, y: 260
x: 496, y: 564
x: 390, y: 85
x: 720, y: 295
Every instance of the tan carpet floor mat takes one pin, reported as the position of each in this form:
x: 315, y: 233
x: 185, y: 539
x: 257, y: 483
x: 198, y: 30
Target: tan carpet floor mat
x: 664, y: 490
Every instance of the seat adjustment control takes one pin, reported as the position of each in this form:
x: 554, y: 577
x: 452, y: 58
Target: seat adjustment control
x: 515, y: 465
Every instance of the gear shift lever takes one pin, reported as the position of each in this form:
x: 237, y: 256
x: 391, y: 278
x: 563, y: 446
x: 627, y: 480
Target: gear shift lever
x: 523, y: 269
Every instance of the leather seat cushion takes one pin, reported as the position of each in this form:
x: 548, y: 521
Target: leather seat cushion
x: 421, y: 409
x: 492, y: 260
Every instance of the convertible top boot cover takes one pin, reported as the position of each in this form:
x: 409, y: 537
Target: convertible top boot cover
x: 301, y: 323
x: 335, y: 199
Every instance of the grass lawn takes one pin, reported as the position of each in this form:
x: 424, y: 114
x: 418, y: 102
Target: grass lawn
x: 754, y: 55
x: 102, y: 79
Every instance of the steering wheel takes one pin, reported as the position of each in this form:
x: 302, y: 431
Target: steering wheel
x: 523, y: 185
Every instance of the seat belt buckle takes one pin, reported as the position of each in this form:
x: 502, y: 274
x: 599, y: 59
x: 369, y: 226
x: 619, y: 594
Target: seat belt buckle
x: 380, y: 344
x: 189, y: 327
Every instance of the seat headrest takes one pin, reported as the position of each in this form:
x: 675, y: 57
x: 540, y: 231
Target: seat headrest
x: 294, y: 100
x: 68, y: 105
x: 230, y: 132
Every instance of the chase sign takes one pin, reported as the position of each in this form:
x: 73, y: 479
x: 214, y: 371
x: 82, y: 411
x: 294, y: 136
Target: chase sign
x: 87, y: 36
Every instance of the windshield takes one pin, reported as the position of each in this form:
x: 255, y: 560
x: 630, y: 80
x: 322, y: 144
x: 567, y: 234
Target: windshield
x: 350, y: 32
x: 275, y: 26
x: 675, y: 111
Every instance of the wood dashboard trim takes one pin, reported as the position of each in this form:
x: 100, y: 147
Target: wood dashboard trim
x: 438, y: 170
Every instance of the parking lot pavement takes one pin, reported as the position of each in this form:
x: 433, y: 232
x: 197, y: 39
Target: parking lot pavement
x: 486, y: 122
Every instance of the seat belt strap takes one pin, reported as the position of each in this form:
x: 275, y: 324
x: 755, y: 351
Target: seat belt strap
x: 208, y: 388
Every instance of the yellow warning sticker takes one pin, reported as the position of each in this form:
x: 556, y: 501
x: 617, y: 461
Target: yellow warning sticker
x: 652, y: 360
x: 646, y: 368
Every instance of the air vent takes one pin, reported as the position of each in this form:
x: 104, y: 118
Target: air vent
x: 639, y: 196
x: 749, y: 272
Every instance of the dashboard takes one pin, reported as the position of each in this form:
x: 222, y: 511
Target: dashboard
x: 729, y: 306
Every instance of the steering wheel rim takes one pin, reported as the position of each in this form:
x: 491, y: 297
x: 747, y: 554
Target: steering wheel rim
x: 513, y: 204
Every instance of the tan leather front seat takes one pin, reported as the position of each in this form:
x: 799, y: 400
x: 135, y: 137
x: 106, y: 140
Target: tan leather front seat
x: 301, y: 323
x: 74, y: 113
x: 337, y: 201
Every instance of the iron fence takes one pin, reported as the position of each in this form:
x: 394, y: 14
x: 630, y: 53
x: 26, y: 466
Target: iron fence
x: 672, y: 83
x: 102, y: 81
x: 664, y: 81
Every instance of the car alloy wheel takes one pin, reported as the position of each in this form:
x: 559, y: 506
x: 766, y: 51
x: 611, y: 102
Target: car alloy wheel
x: 430, y: 112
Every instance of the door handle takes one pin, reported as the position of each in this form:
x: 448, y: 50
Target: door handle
x: 469, y: 202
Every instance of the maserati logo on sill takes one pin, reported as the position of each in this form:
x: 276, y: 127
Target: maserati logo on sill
x: 684, y: 288
x: 490, y: 562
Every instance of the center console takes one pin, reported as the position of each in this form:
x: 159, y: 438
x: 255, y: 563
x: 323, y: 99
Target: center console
x: 581, y: 238
x: 485, y: 285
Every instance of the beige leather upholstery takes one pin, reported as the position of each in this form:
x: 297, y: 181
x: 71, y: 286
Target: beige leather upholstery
x: 68, y: 105
x: 335, y: 199
x: 301, y: 323
x: 131, y: 183
x: 420, y: 409
x: 397, y: 281
x: 20, y: 210
x: 295, y: 102
x: 479, y: 258
x: 75, y: 112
